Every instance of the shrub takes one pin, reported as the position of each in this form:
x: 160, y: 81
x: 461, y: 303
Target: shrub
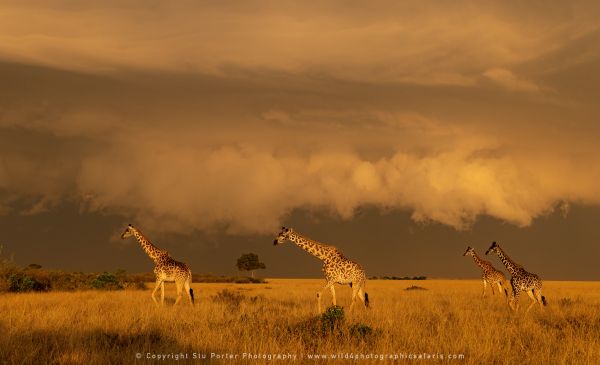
x: 331, y: 323
x: 69, y: 281
x: 210, y: 278
x: 135, y: 285
x: 332, y: 317
x: 20, y: 283
x: 398, y: 278
x: 106, y: 281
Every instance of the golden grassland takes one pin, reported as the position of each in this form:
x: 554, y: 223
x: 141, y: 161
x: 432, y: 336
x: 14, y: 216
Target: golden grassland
x: 450, y: 318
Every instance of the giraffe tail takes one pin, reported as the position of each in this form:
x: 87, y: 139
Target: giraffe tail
x: 366, y: 299
x: 192, y: 294
x: 544, y: 301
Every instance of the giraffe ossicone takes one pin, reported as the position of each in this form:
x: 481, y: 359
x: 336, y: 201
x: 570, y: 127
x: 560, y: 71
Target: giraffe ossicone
x: 336, y: 267
x: 166, y: 268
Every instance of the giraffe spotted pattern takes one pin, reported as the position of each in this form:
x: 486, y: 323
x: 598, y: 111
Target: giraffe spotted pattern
x: 491, y: 275
x: 337, y: 269
x: 166, y: 268
x: 521, y: 280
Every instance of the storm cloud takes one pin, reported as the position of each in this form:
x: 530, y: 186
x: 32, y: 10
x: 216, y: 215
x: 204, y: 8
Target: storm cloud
x: 203, y: 116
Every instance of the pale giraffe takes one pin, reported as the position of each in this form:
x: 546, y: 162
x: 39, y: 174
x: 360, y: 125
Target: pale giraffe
x: 490, y: 275
x: 336, y: 268
x: 165, y: 269
x: 521, y: 280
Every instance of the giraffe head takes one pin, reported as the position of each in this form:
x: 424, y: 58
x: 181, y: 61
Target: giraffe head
x: 469, y: 252
x: 493, y: 248
x: 282, y: 236
x: 128, y: 232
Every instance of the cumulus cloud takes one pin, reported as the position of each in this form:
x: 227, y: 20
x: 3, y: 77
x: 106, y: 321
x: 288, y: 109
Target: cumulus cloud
x: 158, y: 177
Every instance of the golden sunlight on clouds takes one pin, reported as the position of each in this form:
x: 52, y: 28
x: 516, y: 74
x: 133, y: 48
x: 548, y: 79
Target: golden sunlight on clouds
x: 201, y: 115
x: 507, y: 79
x: 421, y: 42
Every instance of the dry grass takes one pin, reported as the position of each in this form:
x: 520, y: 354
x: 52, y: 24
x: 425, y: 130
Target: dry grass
x: 449, y: 318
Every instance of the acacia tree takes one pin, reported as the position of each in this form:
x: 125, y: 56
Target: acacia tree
x: 249, y: 262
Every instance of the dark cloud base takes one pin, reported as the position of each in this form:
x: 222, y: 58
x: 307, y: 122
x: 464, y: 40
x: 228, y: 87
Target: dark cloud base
x: 555, y: 247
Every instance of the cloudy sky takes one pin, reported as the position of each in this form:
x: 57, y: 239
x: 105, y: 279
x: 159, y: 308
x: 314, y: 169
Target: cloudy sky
x: 400, y: 132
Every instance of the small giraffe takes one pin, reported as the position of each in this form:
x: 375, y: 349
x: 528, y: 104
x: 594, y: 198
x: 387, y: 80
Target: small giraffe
x: 336, y: 267
x: 166, y: 268
x: 490, y: 275
x: 521, y: 280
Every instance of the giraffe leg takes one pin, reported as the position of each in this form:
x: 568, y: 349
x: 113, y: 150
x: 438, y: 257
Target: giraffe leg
x: 354, y: 293
x: 539, y: 297
x: 188, y: 290
x: 361, y: 296
x: 514, y: 298
x: 158, y: 283
x: 162, y: 293
x: 506, y: 289
x: 484, y: 286
x: 319, y: 295
x: 499, y: 287
x: 533, y: 300
x: 329, y: 284
x: 179, y: 286
x: 332, y: 288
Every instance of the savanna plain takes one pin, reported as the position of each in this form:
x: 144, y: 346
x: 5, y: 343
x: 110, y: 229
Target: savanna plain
x: 447, y: 322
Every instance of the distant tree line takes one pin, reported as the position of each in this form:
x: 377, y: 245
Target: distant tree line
x: 34, y: 278
x: 398, y: 278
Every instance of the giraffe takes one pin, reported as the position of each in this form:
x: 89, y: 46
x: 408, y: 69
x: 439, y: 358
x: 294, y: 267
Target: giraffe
x: 336, y: 267
x: 521, y: 280
x: 165, y: 269
x: 490, y: 274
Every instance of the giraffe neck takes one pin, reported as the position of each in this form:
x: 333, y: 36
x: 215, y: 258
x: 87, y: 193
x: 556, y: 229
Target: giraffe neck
x: 511, y: 266
x: 313, y: 247
x: 152, y: 251
x: 482, y: 264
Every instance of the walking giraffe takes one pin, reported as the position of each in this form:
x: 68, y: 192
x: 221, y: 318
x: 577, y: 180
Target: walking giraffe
x: 490, y: 275
x: 336, y: 267
x: 165, y: 269
x: 521, y: 280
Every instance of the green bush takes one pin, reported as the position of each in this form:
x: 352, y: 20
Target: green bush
x: 332, y: 317
x: 332, y: 323
x: 20, y: 283
x: 106, y: 281
x: 398, y: 278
